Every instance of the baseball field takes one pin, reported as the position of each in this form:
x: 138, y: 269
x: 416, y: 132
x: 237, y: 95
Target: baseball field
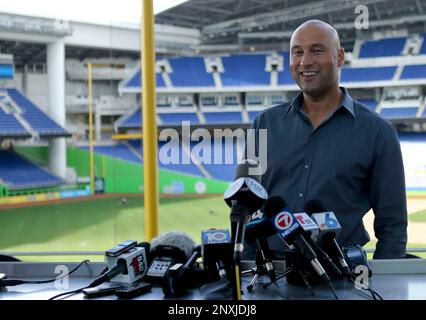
x: 97, y: 224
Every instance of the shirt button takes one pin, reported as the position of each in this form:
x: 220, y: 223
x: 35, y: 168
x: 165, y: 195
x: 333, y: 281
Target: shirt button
x: 306, y: 166
x: 300, y: 195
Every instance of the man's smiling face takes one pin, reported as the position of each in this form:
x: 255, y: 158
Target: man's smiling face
x: 315, y: 58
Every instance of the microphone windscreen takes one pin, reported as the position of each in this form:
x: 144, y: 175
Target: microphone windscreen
x: 314, y: 206
x: 243, y: 169
x: 174, y: 243
x: 273, y: 205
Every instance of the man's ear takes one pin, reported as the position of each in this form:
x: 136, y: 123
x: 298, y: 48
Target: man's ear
x: 341, y: 57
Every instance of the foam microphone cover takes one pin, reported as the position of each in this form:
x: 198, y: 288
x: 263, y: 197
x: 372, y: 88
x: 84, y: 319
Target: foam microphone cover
x: 273, y: 205
x: 175, y: 244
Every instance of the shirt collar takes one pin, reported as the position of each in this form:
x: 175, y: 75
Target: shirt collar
x: 347, y: 102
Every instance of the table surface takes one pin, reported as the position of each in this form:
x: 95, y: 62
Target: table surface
x: 392, y: 279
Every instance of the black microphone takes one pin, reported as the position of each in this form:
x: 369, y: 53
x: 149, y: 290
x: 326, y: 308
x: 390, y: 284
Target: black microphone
x: 290, y: 231
x: 257, y: 231
x: 166, y: 250
x: 216, y: 251
x: 179, y: 277
x: 245, y: 196
x: 329, y: 228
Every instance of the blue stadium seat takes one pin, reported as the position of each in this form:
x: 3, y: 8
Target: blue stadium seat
x: 190, y: 72
x: 181, y: 167
x: 423, y: 48
x: 222, y: 171
x: 223, y: 117
x: 285, y: 77
x: 252, y: 115
x: 177, y: 118
x: 120, y: 151
x: 370, y: 103
x: 382, y: 48
x: 414, y: 72
x: 245, y: 70
x: 135, y: 81
x: 133, y: 121
x: 395, y: 113
x: 367, y: 74
x: 17, y: 173
x: 37, y: 119
x: 10, y: 127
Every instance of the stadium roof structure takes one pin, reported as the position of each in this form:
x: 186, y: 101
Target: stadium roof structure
x: 244, y: 24
x: 210, y: 26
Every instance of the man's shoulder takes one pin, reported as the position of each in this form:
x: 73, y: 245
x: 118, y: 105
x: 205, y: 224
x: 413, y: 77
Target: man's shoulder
x: 368, y: 116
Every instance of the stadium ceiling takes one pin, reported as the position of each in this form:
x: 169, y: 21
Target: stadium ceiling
x: 33, y: 55
x: 268, y: 24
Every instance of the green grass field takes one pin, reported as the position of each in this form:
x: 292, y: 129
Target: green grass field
x: 97, y: 225
x: 418, y: 216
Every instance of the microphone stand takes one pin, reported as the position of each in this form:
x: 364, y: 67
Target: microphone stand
x: 262, y: 265
x: 239, y: 216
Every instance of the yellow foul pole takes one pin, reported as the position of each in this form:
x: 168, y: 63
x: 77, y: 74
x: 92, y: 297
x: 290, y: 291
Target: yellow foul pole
x: 92, y: 161
x: 149, y: 125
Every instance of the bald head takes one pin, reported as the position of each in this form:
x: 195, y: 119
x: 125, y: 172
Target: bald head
x: 315, y: 58
x: 321, y: 26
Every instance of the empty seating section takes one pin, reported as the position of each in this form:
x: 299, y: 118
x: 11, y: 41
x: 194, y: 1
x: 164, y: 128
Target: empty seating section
x: 367, y: 74
x: 120, y: 151
x: 414, y: 72
x: 9, y: 126
x: 190, y: 72
x: 223, y: 117
x: 245, y: 70
x: 222, y: 168
x: 37, y: 119
x: 135, y: 81
x: 165, y: 149
x: 133, y: 121
x: 165, y: 155
x: 136, y: 145
x: 370, y: 103
x: 398, y: 113
x: 171, y: 157
x: 284, y: 76
x: 423, y: 47
x: 252, y: 115
x: 177, y: 118
x: 382, y: 48
x: 18, y: 173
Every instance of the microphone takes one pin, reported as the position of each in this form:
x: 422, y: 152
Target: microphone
x: 216, y: 252
x: 126, y: 262
x: 329, y: 228
x: 245, y: 196
x: 256, y: 232
x: 291, y: 232
x: 166, y: 250
x: 178, y: 277
x: 311, y: 232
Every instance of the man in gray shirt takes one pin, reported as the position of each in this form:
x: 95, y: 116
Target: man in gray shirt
x: 324, y: 145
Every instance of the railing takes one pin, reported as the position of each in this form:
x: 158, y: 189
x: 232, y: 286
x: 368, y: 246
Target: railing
x: 101, y: 253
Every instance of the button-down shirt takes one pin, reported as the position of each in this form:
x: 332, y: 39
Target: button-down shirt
x: 351, y: 162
